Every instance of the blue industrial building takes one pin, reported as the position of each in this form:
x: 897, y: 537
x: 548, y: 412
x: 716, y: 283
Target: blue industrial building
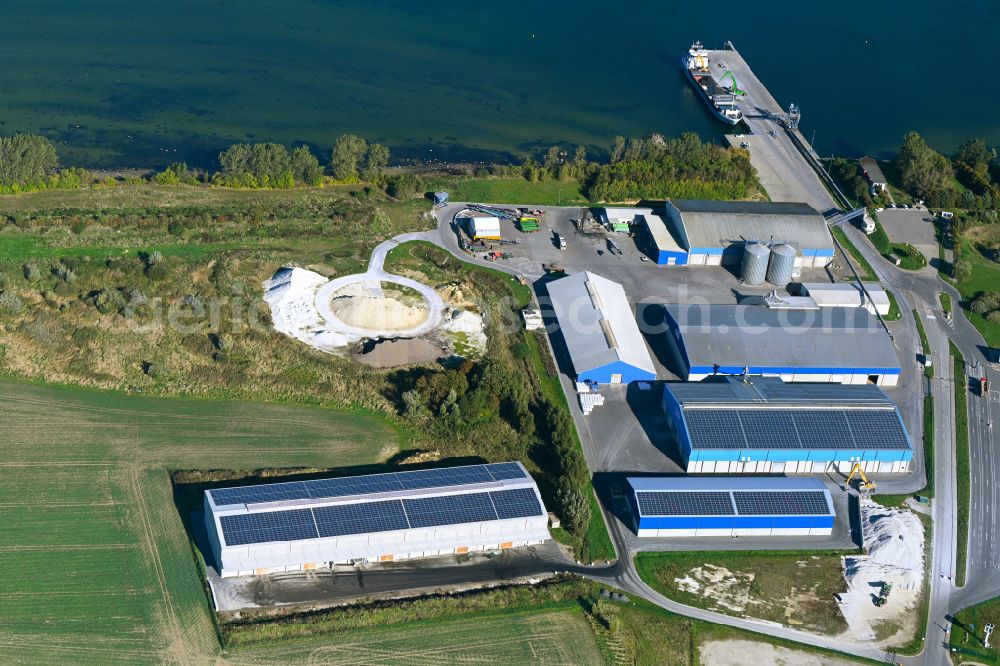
x: 836, y: 345
x: 728, y: 507
x: 600, y: 331
x: 762, y: 425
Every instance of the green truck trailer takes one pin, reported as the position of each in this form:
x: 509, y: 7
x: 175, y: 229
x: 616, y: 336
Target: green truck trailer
x: 528, y: 224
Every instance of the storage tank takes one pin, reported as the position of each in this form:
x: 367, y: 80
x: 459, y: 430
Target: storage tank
x: 779, y: 271
x: 754, y: 265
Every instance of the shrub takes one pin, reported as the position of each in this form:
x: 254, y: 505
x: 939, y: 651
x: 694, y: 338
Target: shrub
x: 573, y: 506
x: 11, y: 304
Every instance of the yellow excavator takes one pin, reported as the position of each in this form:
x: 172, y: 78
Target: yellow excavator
x: 866, y: 487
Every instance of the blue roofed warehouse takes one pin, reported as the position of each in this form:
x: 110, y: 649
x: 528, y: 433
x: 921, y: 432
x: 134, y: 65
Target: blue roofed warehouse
x: 730, y: 507
x: 764, y: 426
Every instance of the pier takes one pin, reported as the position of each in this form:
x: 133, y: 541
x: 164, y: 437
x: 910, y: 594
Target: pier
x: 786, y: 165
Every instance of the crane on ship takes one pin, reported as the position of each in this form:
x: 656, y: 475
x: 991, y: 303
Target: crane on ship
x: 734, y: 88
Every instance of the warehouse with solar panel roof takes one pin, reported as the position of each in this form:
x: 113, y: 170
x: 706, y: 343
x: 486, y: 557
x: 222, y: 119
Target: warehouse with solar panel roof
x: 304, y: 525
x: 762, y: 425
x: 730, y: 507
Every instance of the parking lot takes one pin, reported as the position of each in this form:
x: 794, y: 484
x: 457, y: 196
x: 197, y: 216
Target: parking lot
x: 913, y: 226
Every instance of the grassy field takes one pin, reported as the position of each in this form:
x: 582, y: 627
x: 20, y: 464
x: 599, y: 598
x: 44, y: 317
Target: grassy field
x: 512, y: 190
x: 791, y: 588
x: 967, y: 633
x: 97, y: 564
x: 984, y: 276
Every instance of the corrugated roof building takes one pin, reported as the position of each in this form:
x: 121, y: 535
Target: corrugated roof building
x: 837, y: 345
x: 303, y: 525
x: 715, y: 232
x: 873, y: 172
x: 848, y: 295
x: 730, y: 507
x: 600, y: 331
x: 764, y: 426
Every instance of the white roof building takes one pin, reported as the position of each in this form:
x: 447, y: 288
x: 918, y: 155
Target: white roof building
x: 303, y: 525
x: 600, y: 331
x: 848, y: 295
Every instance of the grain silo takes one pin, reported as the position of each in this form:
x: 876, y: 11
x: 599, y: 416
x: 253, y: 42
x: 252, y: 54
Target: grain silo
x: 779, y: 270
x: 754, y: 264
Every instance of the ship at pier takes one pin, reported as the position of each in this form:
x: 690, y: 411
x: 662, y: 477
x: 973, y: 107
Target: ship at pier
x: 720, y: 99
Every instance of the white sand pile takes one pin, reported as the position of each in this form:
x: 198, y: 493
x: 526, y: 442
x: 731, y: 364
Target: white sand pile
x: 291, y: 295
x: 358, y: 307
x: 471, y: 325
x: 894, y: 540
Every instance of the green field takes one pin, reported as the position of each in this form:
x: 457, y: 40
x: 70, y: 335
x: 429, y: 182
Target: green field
x: 547, y: 638
x: 96, y: 563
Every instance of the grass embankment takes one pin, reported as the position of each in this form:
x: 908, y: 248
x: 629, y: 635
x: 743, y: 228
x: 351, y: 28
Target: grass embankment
x: 788, y: 587
x: 963, y: 480
x: 863, y: 267
x: 945, y: 299
x: 87, y: 476
x: 511, y: 190
x: 967, y: 633
x: 928, y: 429
x: 895, y: 314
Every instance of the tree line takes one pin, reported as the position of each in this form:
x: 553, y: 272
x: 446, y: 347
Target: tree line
x: 29, y: 162
x: 969, y: 179
x: 644, y: 168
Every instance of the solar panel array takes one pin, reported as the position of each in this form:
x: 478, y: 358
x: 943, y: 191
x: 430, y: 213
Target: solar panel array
x: 364, y: 485
x: 732, y: 503
x: 379, y: 516
x: 681, y: 503
x: 858, y: 429
x: 807, y: 503
x: 729, y: 390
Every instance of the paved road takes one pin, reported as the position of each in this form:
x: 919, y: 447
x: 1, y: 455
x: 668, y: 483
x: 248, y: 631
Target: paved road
x: 921, y: 290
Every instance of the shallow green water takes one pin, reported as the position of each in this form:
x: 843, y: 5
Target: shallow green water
x: 123, y: 83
